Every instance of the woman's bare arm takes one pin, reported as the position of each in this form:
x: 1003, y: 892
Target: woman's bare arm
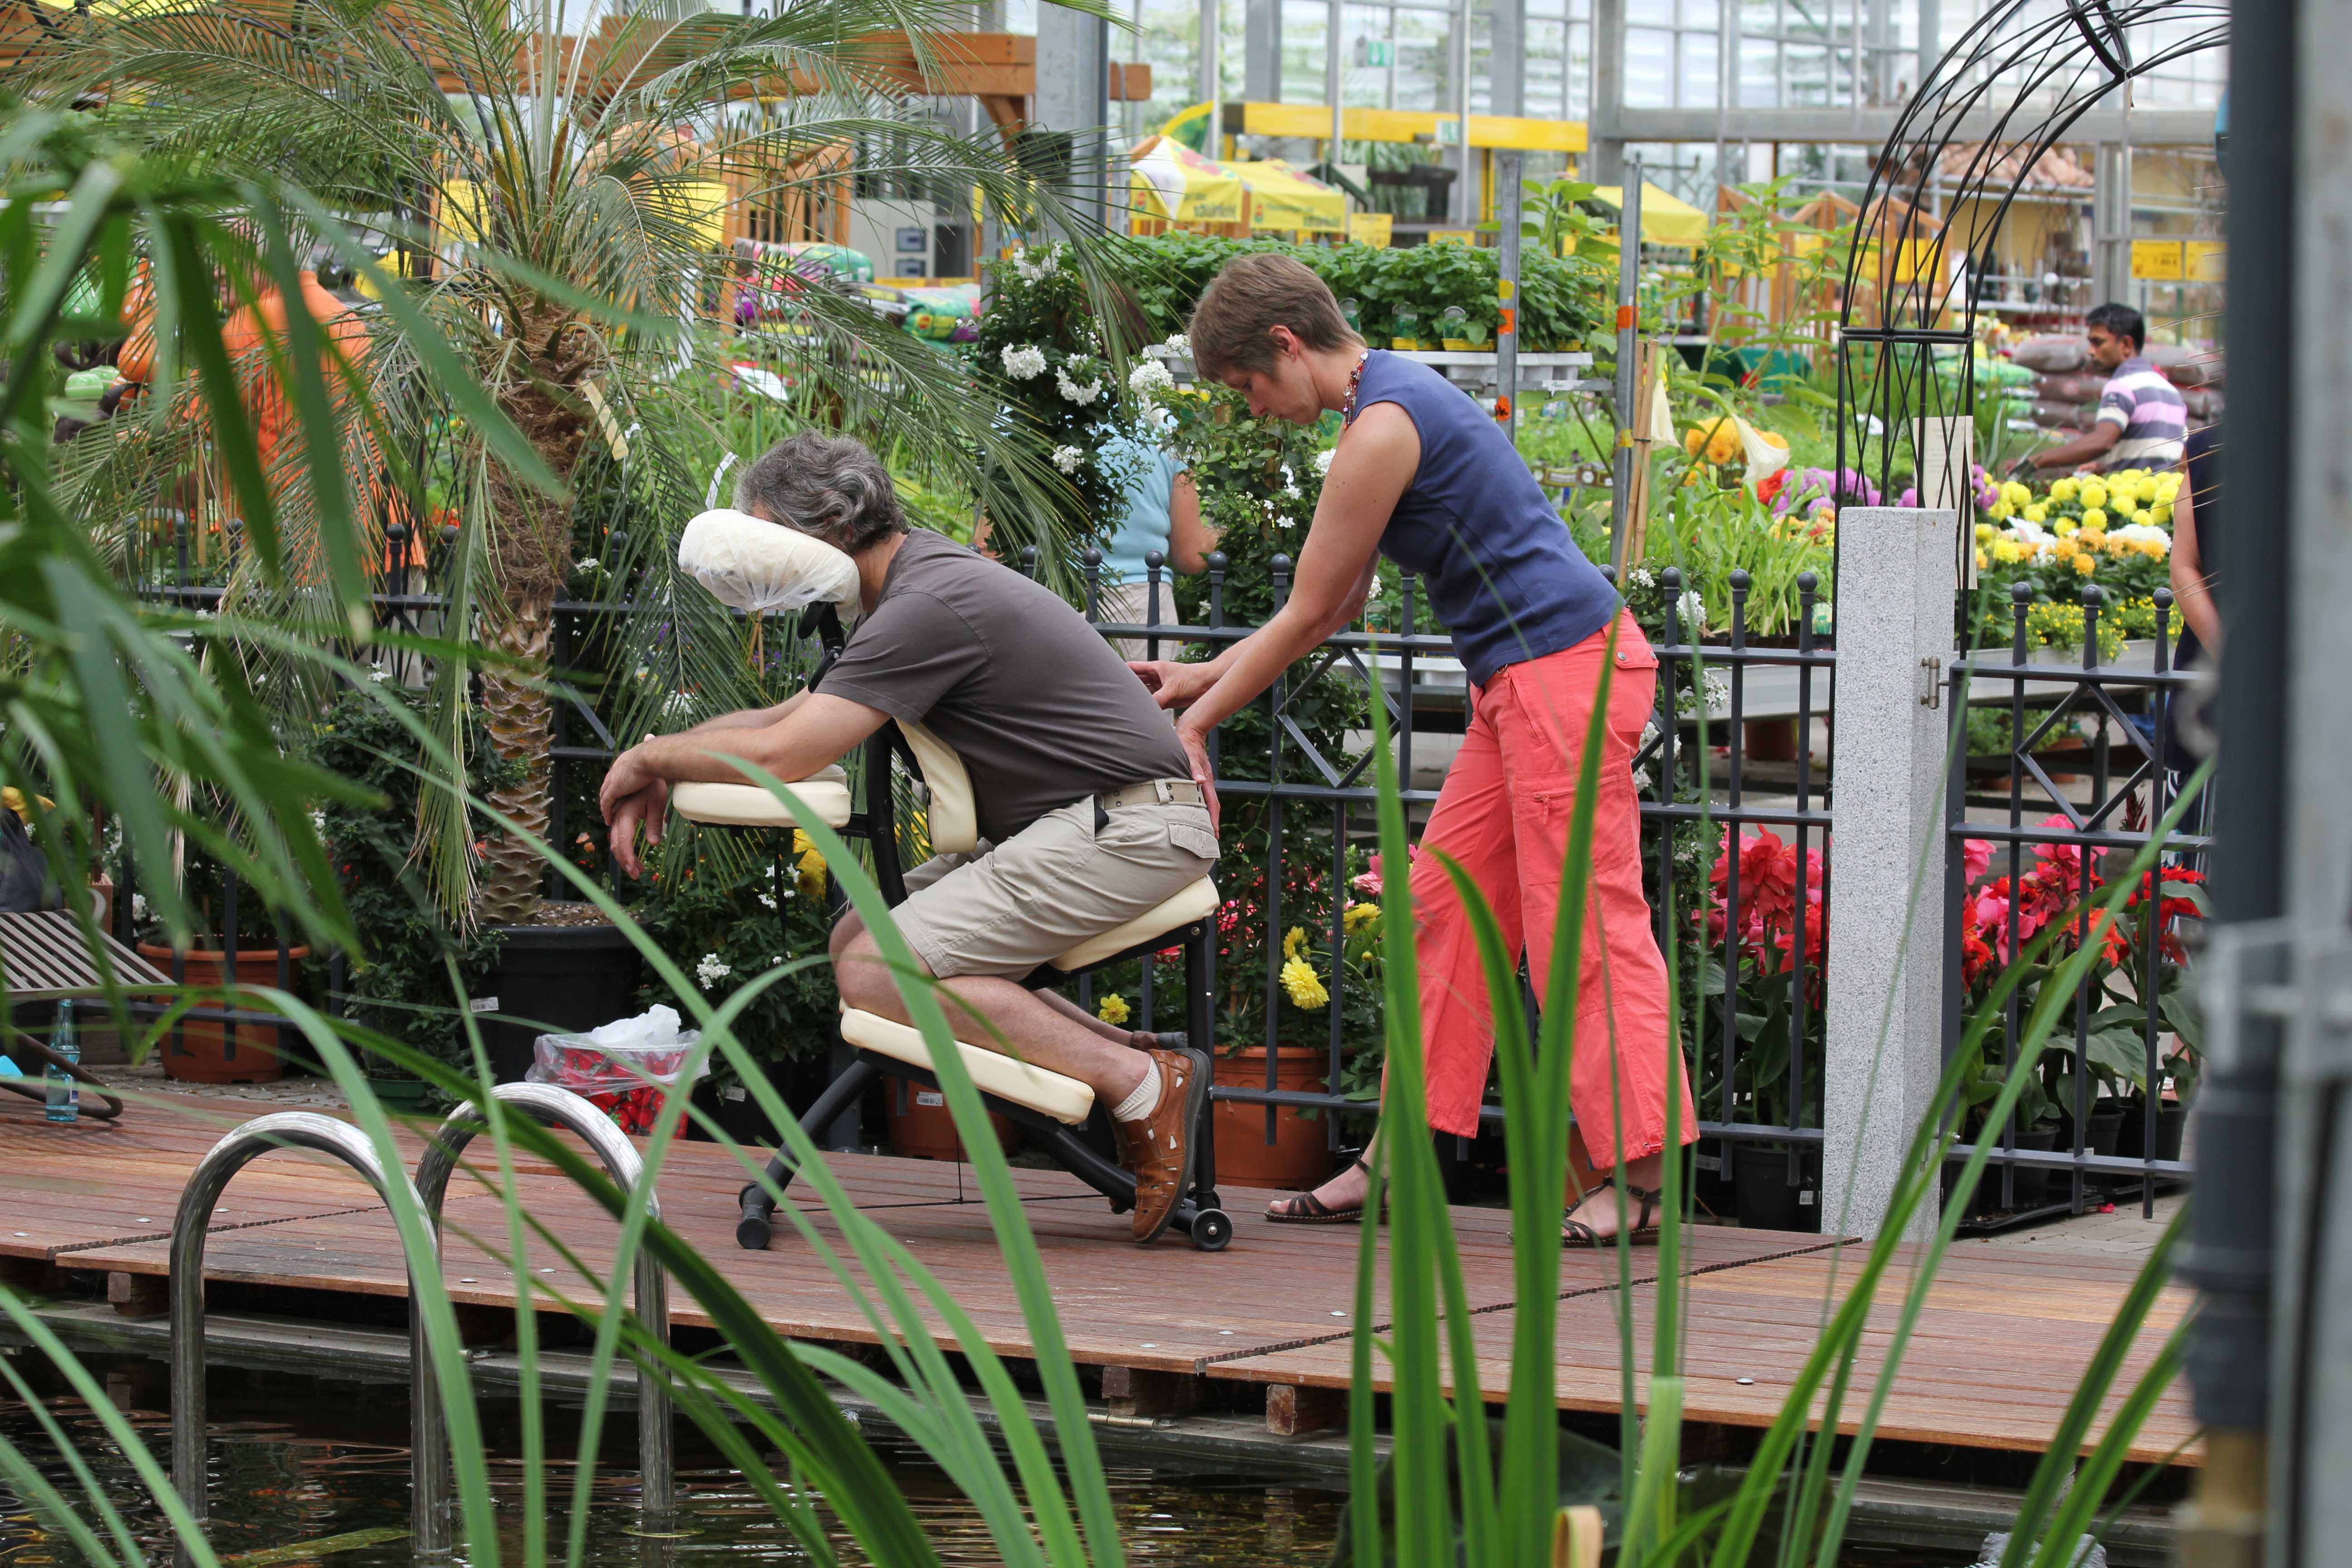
x: 2190, y: 590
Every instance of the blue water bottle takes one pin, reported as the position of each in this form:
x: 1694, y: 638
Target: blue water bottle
x: 64, y: 1101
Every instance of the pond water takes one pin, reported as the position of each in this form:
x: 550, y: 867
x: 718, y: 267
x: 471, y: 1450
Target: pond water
x: 300, y: 1459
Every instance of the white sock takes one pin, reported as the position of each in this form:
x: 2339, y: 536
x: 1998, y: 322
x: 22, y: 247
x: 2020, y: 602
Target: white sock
x: 1141, y: 1100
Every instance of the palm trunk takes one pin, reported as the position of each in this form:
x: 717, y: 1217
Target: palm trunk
x: 518, y: 713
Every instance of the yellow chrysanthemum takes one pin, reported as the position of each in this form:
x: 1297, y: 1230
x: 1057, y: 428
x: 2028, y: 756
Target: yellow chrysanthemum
x: 2095, y: 495
x: 1981, y: 561
x: 2160, y: 513
x: 810, y: 879
x: 2093, y: 517
x: 1112, y: 1009
x: 2037, y: 512
x: 1723, y: 442
x: 2008, y: 551
x: 2065, y: 526
x: 2091, y: 538
x: 1294, y: 942
x: 2168, y: 489
x: 1693, y: 439
x: 2065, y: 549
x: 2086, y: 563
x: 2015, y: 494
x: 1305, y: 986
x: 1358, y: 916
x: 2122, y: 546
x: 2063, y: 491
x: 1984, y: 532
x: 2002, y: 510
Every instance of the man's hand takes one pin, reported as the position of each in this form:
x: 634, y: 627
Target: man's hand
x: 1195, y: 742
x: 1173, y: 685
x: 650, y: 806
x: 628, y: 776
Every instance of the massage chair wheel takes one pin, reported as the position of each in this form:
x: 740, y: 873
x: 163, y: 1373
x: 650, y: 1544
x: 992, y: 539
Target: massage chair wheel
x: 1211, y: 1230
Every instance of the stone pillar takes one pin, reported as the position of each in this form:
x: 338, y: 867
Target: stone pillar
x: 1884, y: 1049
x: 1262, y: 51
x: 1072, y: 95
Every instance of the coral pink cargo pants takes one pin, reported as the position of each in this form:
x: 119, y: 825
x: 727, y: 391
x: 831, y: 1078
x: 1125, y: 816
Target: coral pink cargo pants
x: 1504, y: 815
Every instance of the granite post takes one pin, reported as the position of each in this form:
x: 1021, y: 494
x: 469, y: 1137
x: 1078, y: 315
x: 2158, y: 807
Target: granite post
x: 1883, y: 1048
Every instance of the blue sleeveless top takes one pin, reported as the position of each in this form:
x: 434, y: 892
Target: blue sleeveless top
x: 1503, y: 576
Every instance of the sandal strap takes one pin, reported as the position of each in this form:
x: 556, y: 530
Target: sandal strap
x: 1576, y: 1233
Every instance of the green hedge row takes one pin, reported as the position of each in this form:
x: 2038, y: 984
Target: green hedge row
x: 1561, y: 302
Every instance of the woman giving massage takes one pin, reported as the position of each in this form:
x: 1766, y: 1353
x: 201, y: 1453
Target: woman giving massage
x: 1423, y: 476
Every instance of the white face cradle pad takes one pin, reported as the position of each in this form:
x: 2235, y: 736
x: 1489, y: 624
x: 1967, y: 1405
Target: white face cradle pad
x: 768, y: 567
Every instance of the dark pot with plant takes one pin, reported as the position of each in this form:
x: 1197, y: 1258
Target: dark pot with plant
x: 240, y: 948
x: 2037, y: 1129
x: 1777, y: 1187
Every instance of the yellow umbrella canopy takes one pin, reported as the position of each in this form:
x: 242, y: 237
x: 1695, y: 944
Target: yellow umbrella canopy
x: 1172, y: 182
x: 1282, y: 197
x: 1665, y: 220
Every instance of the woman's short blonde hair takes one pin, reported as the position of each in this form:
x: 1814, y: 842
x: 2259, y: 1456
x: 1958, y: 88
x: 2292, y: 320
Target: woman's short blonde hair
x: 1232, y: 325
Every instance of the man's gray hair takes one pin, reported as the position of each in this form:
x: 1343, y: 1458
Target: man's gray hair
x: 830, y: 485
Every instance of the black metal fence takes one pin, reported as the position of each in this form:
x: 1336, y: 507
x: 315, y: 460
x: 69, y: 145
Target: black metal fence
x: 2095, y: 741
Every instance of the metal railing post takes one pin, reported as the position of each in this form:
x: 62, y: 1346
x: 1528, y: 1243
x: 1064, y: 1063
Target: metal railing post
x: 656, y: 1449
x: 282, y: 1130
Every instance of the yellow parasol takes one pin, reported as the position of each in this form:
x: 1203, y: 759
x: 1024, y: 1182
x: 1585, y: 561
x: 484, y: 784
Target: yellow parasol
x: 1282, y: 197
x: 1664, y: 219
x: 1174, y: 182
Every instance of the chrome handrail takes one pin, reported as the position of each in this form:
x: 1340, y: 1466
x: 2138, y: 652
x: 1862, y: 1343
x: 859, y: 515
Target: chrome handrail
x: 262, y: 1135
x: 561, y: 1108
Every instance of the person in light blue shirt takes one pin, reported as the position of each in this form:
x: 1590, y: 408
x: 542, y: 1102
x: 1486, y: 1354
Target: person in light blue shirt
x: 1162, y: 514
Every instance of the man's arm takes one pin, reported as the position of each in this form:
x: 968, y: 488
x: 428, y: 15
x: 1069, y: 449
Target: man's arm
x: 747, y: 718
x: 2090, y: 447
x: 811, y: 730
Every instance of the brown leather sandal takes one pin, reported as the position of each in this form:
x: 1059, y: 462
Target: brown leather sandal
x: 1575, y: 1233
x: 1308, y: 1209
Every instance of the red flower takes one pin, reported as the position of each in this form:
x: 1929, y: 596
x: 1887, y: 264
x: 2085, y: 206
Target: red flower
x: 1771, y: 484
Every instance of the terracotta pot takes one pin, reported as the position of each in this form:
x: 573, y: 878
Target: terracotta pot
x: 1299, y: 1157
x: 202, y: 1050
x: 923, y: 1127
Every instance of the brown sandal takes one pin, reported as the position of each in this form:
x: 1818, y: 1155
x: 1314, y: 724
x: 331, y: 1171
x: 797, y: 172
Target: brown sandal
x: 1575, y: 1233
x: 1308, y: 1209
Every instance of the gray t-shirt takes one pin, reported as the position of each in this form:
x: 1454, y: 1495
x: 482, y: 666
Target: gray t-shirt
x: 1040, y: 708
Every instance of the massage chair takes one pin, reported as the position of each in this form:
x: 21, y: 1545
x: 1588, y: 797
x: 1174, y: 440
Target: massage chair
x: 761, y: 567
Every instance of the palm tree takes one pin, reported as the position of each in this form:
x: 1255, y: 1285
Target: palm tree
x: 563, y: 173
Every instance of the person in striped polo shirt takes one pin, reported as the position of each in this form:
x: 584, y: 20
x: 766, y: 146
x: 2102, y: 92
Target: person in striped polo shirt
x: 2142, y: 420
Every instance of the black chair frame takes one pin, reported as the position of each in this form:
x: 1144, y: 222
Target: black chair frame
x: 1199, y: 1213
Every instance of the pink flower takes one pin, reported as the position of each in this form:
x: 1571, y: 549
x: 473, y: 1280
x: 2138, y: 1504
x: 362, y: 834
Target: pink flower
x: 1976, y: 856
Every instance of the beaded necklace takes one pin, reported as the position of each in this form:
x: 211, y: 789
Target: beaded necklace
x: 1355, y: 379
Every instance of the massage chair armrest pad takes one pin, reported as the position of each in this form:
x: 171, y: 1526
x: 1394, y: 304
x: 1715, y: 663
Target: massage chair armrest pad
x: 825, y: 791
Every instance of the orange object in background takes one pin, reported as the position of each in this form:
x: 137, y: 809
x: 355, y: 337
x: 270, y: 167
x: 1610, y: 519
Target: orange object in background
x: 255, y: 330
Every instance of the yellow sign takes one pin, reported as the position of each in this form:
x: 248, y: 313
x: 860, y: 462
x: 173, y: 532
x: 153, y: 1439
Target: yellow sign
x: 464, y: 212
x: 1452, y: 237
x: 699, y: 206
x: 1501, y: 130
x: 1372, y: 228
x: 2157, y: 260
x: 2204, y: 261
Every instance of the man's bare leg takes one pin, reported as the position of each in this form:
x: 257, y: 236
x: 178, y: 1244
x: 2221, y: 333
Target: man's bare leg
x: 1072, y: 1011
x: 1000, y: 1015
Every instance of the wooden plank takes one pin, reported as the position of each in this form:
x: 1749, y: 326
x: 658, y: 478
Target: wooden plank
x: 1997, y: 1354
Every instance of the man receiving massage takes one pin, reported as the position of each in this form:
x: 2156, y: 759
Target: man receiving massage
x: 1087, y: 811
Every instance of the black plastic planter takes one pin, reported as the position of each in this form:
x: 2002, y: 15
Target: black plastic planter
x: 1763, y: 1195
x: 566, y: 979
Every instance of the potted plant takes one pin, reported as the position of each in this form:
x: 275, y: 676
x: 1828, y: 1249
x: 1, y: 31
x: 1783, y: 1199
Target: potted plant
x: 212, y: 1050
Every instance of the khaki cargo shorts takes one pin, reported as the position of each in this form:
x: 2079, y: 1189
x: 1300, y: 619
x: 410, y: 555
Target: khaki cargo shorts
x: 1004, y: 909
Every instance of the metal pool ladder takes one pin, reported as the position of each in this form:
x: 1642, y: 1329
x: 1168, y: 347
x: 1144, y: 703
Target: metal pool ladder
x: 428, y: 1461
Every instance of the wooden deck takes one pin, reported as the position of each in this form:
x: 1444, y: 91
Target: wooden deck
x: 1999, y: 1345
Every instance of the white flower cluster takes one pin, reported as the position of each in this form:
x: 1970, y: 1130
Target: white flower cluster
x: 1178, y: 346
x: 1692, y: 610
x: 712, y: 970
x: 1083, y: 396
x: 768, y: 901
x: 680, y: 704
x: 1046, y: 264
x: 1024, y: 363
x: 1069, y: 459
x: 1640, y: 577
x: 1323, y: 460
x: 1149, y: 379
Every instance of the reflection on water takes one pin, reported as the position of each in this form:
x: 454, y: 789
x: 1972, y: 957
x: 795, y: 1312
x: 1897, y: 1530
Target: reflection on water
x: 298, y: 1458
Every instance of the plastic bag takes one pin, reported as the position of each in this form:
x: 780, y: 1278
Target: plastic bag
x: 764, y: 566
x: 623, y: 1068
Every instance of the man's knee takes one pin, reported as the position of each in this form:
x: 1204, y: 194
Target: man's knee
x: 846, y: 930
